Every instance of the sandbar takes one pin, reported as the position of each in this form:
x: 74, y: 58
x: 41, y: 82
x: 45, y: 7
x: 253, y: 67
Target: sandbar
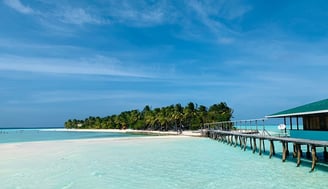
x: 174, y: 133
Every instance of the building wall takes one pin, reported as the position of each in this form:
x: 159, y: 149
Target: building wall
x: 312, y: 135
x: 316, y: 122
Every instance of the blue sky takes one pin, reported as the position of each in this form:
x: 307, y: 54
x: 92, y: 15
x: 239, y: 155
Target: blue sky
x: 74, y: 59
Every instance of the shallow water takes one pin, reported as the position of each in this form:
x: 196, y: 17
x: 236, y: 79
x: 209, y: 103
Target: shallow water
x: 28, y: 135
x: 149, y: 163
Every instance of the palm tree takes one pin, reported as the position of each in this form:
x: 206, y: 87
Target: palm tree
x: 69, y: 124
x: 162, y: 118
x: 220, y: 112
x: 202, y: 115
x: 132, y: 117
x: 173, y: 116
x: 177, y: 115
x: 189, y: 114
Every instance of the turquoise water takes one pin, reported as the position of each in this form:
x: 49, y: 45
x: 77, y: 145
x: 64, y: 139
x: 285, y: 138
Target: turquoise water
x: 28, y: 135
x: 148, y: 162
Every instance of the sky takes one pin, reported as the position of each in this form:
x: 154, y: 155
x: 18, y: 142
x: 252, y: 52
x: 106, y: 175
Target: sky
x: 63, y: 59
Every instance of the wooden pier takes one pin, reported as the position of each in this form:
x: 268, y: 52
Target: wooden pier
x: 241, y: 138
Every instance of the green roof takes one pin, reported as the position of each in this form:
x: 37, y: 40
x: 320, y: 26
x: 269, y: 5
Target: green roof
x: 318, y: 107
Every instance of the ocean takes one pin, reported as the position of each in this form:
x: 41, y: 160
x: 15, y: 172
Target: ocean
x: 30, y: 135
x: 145, y: 162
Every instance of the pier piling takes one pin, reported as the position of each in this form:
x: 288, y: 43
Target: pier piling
x: 260, y: 148
x: 299, y: 154
x: 284, y: 151
x: 254, y: 149
x: 263, y: 145
x: 325, y: 154
x: 236, y: 140
x: 295, y: 150
x: 314, y: 157
x: 272, y: 151
x: 245, y: 143
x: 232, y: 138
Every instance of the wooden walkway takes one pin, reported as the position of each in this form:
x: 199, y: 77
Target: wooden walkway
x: 240, y: 138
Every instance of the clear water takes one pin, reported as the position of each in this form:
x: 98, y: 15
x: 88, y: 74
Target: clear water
x: 28, y: 135
x: 148, y: 162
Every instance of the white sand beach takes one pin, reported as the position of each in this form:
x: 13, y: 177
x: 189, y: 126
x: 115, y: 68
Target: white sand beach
x: 12, y: 150
x: 56, y: 162
x: 168, y: 161
x: 184, y: 133
x: 82, y: 163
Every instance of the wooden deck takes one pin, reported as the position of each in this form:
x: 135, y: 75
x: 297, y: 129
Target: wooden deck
x: 241, y: 138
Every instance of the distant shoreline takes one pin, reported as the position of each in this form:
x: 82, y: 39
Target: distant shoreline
x: 130, y: 131
x: 31, y: 128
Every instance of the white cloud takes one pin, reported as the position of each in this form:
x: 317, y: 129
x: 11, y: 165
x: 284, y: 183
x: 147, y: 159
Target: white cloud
x: 24, y: 45
x: 225, y: 9
x: 139, y: 13
x: 78, y: 16
x: 60, y: 13
x: 115, y: 96
x: 96, y: 66
x: 212, y: 14
x: 71, y: 96
x: 233, y: 10
x: 18, y: 6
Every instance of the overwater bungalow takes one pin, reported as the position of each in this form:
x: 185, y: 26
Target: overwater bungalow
x: 314, y: 118
x: 312, y: 133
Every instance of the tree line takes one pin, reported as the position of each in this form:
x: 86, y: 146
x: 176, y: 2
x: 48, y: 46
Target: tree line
x: 171, y: 117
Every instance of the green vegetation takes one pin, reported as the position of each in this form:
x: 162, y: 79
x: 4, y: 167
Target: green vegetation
x: 166, y: 118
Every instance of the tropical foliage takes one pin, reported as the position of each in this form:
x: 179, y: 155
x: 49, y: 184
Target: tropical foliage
x: 171, y: 117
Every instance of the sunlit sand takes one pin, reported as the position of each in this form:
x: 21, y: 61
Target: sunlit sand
x: 184, y: 133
